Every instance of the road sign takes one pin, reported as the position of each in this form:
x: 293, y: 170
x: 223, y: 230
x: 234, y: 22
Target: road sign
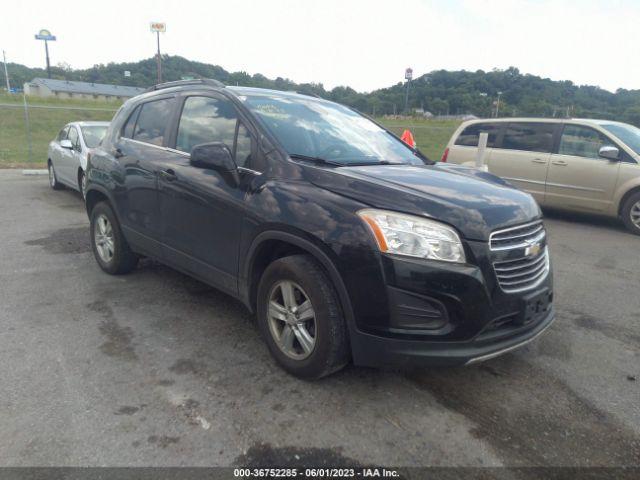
x: 127, y: 73
x: 45, y: 34
x: 158, y: 27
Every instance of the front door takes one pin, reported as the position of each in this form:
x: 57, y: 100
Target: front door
x: 578, y: 178
x: 202, y: 210
x: 522, y: 157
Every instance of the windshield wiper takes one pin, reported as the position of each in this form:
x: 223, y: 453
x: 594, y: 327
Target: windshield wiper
x: 323, y: 161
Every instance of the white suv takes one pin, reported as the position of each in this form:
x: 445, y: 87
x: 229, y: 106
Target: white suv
x: 573, y: 164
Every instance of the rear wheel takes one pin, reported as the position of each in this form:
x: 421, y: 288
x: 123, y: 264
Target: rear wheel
x: 300, y: 318
x: 631, y: 213
x: 53, y: 180
x: 110, y: 248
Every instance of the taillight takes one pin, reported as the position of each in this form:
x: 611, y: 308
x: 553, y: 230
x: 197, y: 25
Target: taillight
x: 445, y: 155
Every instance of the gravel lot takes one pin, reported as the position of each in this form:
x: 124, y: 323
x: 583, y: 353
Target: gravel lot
x: 155, y: 368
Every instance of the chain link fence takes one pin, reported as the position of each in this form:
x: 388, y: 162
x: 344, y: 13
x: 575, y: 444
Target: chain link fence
x: 27, y: 125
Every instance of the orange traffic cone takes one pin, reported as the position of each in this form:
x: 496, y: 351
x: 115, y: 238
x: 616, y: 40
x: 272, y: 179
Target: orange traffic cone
x: 407, y: 137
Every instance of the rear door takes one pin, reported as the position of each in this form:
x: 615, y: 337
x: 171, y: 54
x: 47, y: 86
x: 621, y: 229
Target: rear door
x: 57, y: 150
x: 522, y: 156
x: 142, y: 154
x: 578, y: 178
x: 465, y: 147
x: 68, y: 161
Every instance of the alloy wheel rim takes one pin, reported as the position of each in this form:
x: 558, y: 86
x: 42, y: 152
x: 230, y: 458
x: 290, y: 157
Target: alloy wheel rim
x: 104, y: 239
x: 635, y: 214
x: 292, y: 320
x: 52, y: 177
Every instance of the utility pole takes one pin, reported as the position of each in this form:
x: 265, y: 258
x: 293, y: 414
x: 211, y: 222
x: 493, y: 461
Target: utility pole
x: 158, y: 27
x: 6, y: 73
x: 498, y: 104
x: 45, y: 35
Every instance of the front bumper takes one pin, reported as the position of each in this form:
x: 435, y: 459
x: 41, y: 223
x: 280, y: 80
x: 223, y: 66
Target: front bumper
x: 440, y: 314
x: 375, y: 351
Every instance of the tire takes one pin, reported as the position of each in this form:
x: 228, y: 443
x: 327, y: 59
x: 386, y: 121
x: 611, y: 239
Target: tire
x: 631, y: 213
x: 109, y: 246
x: 330, y: 351
x: 82, y: 186
x: 53, y: 180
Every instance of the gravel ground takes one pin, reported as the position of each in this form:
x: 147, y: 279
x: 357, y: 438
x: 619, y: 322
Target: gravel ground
x: 157, y: 369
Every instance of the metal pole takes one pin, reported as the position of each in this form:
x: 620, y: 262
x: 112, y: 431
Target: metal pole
x: 498, y: 104
x: 26, y: 122
x: 46, y: 49
x: 159, y: 60
x: 6, y: 74
x: 406, y: 98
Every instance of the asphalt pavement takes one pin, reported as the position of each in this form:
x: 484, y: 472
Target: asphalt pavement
x: 157, y: 369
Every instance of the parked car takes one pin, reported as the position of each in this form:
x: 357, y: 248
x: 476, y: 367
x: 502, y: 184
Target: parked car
x: 67, y: 155
x: 346, y: 242
x: 578, y: 164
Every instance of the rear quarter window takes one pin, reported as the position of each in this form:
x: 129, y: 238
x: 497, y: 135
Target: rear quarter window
x: 471, y: 134
x: 529, y: 137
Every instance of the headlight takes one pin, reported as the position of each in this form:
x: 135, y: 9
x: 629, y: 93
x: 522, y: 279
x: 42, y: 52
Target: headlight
x: 413, y: 236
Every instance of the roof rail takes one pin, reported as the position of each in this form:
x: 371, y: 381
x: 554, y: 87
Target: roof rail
x: 178, y: 83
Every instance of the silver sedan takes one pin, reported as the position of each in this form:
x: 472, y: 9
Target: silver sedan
x: 67, y: 158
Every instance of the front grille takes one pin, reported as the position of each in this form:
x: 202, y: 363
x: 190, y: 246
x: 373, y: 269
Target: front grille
x: 522, y: 273
x: 517, y: 237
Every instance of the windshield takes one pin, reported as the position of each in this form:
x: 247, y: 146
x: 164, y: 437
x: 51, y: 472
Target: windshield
x: 93, y: 135
x: 328, y: 131
x: 627, y: 133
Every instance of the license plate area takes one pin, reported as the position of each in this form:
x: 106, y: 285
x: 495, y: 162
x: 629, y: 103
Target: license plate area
x: 536, y: 306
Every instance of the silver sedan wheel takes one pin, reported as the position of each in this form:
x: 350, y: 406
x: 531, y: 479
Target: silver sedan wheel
x: 52, y: 176
x: 292, y: 320
x: 635, y: 214
x: 83, y: 185
x: 104, y: 239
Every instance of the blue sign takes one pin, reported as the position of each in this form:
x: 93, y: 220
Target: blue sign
x: 45, y: 35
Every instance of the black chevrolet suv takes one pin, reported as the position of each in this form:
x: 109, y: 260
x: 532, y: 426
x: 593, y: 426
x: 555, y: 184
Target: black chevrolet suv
x: 345, y: 242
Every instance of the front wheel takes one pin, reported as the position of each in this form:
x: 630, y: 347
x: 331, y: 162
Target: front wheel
x: 300, y: 318
x: 53, y: 180
x: 631, y: 213
x: 110, y: 248
x: 82, y: 184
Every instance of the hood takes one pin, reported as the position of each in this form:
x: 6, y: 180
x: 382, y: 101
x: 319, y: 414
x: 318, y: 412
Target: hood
x: 473, y: 202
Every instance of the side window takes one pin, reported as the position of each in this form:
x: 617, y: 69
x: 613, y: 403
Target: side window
x: 127, y: 130
x: 73, y: 137
x: 152, y: 121
x: 206, y: 120
x: 63, y: 133
x: 243, y: 148
x: 529, y: 137
x: 470, y: 135
x: 581, y: 142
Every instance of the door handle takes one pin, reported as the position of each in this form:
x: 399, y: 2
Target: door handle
x: 169, y: 175
x: 560, y: 163
x: 539, y: 160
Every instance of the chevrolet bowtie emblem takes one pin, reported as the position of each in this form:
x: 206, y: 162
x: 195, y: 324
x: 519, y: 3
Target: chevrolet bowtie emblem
x: 532, y: 250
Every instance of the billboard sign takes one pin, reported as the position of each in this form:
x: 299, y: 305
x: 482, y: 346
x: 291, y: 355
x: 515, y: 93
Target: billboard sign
x: 158, y: 27
x: 408, y: 74
x: 45, y: 34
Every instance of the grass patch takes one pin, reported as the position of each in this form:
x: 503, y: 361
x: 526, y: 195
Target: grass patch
x: 46, y: 118
x: 431, y: 136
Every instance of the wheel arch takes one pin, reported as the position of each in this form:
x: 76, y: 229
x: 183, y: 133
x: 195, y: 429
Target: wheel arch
x: 271, y: 245
x: 95, y: 195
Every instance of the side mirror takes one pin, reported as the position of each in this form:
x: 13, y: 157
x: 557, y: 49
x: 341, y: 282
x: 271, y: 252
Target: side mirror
x: 609, y: 152
x: 66, y: 143
x: 215, y: 156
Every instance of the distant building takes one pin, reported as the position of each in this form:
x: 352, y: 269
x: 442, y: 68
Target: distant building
x: 46, y: 87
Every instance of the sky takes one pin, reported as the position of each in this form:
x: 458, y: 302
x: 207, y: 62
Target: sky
x: 365, y: 44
